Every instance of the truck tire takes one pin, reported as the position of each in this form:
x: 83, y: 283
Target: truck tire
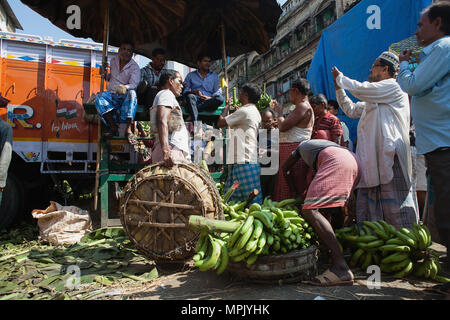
x: 12, y: 202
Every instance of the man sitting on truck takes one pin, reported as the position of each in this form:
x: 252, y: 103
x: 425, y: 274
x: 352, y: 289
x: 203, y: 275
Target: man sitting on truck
x: 119, y: 103
x: 148, y: 87
x: 202, y: 89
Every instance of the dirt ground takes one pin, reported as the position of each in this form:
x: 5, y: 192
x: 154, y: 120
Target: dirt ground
x: 188, y: 283
x: 185, y: 282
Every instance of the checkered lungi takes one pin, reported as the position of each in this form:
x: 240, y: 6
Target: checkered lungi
x: 124, y: 105
x: 248, y: 176
x: 392, y: 202
x: 300, y: 171
x: 337, y: 174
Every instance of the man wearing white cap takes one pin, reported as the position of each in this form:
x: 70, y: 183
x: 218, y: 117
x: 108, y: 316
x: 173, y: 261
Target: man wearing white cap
x: 385, y: 190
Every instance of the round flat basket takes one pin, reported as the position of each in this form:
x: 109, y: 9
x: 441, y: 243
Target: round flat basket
x: 157, y: 203
x: 295, y: 266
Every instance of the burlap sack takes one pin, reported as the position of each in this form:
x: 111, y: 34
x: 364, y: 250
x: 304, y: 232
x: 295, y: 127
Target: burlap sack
x: 62, y: 225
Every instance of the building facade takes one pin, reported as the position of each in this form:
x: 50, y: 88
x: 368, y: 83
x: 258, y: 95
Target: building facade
x: 298, y: 33
x: 8, y: 20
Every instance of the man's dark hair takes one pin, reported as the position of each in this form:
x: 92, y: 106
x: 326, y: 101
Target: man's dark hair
x: 302, y: 85
x: 319, y: 99
x: 128, y: 42
x: 391, y: 70
x: 202, y: 55
x: 334, y: 104
x: 253, y: 92
x: 440, y: 10
x: 157, y: 51
x: 274, y: 114
x: 166, y: 75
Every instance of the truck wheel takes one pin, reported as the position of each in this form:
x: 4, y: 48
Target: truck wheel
x: 12, y: 202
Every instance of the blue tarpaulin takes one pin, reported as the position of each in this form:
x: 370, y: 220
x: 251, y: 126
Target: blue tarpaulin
x: 353, y: 42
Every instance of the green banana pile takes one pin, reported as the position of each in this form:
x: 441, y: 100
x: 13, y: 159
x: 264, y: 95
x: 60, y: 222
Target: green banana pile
x: 400, y: 252
x: 273, y: 228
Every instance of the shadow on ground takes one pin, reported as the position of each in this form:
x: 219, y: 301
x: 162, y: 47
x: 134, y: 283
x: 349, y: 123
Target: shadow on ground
x: 188, y: 283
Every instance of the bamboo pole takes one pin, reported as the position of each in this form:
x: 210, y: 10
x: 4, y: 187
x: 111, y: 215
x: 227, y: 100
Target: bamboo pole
x: 102, y: 88
x: 224, y: 57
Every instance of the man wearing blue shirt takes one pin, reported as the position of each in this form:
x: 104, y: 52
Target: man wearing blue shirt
x: 429, y: 87
x: 202, y: 89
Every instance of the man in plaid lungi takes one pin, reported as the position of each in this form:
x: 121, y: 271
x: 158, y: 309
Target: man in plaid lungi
x: 119, y: 103
x: 248, y: 176
x: 242, y: 152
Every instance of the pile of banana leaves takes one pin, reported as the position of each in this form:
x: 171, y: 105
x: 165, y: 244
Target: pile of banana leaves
x: 97, y: 267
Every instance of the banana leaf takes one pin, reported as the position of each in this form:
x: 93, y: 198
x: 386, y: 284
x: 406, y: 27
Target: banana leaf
x: 10, y: 296
x: 103, y: 280
x: 49, y: 280
x: 6, y: 287
x: 104, y: 233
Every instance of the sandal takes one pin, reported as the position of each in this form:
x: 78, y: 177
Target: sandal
x: 145, y: 154
x: 132, y: 139
x: 329, y: 279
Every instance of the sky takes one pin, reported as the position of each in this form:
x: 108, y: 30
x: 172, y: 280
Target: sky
x: 35, y: 24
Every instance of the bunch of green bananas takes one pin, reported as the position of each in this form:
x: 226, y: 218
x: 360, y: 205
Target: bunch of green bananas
x: 211, y: 254
x: 235, y: 103
x: 399, y: 252
x: 264, y: 101
x: 273, y: 228
x: 221, y: 187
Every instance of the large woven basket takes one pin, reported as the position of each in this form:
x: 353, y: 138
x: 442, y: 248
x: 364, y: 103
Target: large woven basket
x: 156, y: 206
x: 295, y: 266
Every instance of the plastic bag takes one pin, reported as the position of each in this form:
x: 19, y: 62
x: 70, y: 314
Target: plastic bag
x: 62, y: 225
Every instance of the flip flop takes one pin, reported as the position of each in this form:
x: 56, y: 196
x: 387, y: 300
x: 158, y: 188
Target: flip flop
x: 132, y: 139
x: 329, y: 279
x: 145, y: 154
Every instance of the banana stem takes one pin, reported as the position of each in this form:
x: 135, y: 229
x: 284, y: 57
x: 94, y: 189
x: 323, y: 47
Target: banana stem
x: 204, y: 224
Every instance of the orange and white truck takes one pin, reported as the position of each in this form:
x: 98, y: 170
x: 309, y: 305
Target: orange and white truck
x: 47, y: 83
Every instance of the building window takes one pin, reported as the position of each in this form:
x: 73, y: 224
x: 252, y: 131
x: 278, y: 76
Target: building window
x: 303, y: 33
x: 286, y: 85
x: 325, y: 18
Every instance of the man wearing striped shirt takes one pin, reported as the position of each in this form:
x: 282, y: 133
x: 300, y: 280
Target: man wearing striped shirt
x: 326, y: 125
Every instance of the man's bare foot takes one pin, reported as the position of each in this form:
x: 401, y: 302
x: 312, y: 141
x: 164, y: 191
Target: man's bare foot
x: 343, y: 273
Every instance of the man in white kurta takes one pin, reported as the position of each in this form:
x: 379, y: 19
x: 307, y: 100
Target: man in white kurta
x: 385, y: 190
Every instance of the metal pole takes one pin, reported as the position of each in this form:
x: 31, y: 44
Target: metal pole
x: 224, y: 57
x: 102, y: 88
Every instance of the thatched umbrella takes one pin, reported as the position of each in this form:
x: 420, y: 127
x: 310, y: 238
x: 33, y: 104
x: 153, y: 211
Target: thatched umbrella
x: 141, y: 21
x: 249, y: 25
x: 222, y: 28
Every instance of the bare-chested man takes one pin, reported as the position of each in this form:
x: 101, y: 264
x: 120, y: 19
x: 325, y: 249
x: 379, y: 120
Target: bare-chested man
x: 295, y: 128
